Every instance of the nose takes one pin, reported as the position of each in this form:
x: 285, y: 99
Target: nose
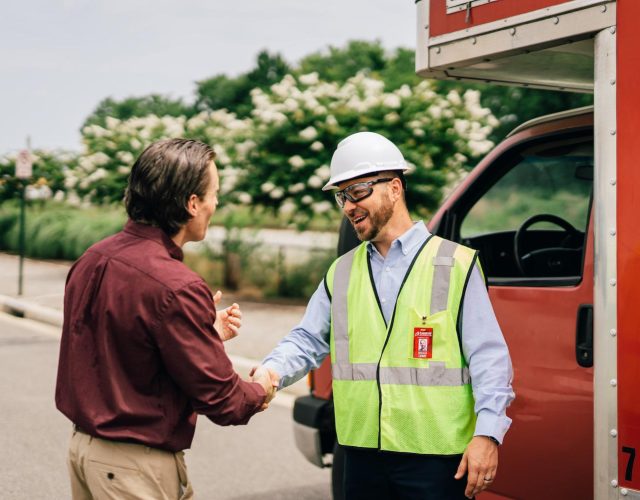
x: 349, y: 206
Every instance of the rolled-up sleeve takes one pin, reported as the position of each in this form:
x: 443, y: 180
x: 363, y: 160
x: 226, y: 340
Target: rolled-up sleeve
x: 306, y: 346
x: 489, y: 362
x: 195, y: 358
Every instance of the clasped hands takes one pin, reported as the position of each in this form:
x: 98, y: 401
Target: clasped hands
x: 227, y: 324
x: 268, y: 379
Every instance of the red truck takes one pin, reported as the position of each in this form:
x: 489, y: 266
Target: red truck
x: 552, y: 210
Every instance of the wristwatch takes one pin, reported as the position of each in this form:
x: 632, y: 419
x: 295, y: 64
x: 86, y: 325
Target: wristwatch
x: 497, y: 443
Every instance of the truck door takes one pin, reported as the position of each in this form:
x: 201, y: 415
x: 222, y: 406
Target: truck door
x: 528, y: 213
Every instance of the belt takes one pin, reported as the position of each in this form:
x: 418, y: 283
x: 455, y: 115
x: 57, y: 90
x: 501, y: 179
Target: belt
x: 77, y: 428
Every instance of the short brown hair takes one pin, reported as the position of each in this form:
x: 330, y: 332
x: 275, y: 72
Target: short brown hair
x: 162, y: 180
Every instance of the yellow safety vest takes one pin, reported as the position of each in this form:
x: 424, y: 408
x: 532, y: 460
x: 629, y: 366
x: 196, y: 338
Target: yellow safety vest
x: 404, y: 386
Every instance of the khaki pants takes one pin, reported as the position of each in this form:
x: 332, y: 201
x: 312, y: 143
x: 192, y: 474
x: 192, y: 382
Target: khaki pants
x: 102, y: 469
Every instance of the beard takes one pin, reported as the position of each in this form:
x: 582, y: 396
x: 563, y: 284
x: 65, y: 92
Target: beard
x: 369, y: 229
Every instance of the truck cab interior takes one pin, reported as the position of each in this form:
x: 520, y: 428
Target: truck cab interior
x: 528, y: 213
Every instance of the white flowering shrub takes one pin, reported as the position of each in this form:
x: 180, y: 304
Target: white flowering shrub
x: 299, y: 123
x: 49, y: 168
x: 279, y: 157
x: 231, y: 139
x: 110, y: 151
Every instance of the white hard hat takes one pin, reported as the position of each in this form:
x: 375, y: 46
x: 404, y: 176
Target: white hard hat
x: 363, y: 153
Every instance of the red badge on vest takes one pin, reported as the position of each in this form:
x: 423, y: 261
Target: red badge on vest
x: 422, y: 342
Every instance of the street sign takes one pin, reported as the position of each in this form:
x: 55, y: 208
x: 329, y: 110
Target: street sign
x: 24, y: 164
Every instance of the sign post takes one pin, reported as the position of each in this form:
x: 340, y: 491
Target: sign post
x: 24, y: 170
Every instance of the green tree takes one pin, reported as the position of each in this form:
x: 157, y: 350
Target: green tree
x: 130, y: 107
x: 234, y: 94
x: 222, y: 92
x: 515, y: 105
x: 400, y: 70
x: 338, y: 64
x: 270, y: 68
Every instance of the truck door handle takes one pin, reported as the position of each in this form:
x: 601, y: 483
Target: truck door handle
x: 584, y: 336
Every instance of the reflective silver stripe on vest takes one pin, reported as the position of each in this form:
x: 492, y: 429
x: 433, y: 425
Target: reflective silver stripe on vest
x: 355, y: 371
x: 442, y: 264
x: 341, y: 277
x: 435, y: 375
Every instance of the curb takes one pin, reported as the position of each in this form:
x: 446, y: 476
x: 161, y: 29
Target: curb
x: 24, y: 309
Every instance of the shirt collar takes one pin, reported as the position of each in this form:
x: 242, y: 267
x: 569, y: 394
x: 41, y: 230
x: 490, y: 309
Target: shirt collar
x: 409, y: 240
x: 156, y: 234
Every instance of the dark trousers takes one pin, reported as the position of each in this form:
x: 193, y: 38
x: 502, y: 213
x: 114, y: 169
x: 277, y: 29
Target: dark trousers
x: 373, y: 474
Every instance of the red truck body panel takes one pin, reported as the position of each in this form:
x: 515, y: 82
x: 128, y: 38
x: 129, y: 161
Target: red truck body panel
x: 442, y: 23
x: 553, y: 409
x: 628, y: 254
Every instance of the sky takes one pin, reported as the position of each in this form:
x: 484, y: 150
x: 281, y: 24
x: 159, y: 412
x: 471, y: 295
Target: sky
x: 60, y: 58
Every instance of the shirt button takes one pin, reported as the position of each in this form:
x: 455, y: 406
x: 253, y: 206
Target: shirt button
x: 383, y: 300
x: 388, y: 269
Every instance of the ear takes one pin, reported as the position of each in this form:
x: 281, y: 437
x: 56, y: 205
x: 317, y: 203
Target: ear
x: 192, y: 205
x: 396, y: 189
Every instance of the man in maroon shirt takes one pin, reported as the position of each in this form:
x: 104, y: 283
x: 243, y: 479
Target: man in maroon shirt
x: 141, y: 350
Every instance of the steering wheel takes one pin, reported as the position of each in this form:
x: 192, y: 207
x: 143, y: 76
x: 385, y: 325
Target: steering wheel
x: 551, y: 261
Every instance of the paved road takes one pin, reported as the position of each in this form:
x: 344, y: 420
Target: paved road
x: 263, y: 324
x: 240, y: 463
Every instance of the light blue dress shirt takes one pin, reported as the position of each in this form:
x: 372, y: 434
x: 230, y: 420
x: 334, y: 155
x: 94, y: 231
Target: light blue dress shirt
x: 483, y: 345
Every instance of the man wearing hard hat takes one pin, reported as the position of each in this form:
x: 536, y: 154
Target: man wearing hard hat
x: 421, y: 371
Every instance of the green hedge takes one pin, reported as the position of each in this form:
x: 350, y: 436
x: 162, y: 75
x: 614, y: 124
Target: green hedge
x: 57, y: 231
x: 54, y: 231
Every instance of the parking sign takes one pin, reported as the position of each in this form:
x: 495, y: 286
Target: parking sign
x: 24, y: 165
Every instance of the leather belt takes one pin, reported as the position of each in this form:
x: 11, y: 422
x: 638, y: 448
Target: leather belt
x: 77, y: 428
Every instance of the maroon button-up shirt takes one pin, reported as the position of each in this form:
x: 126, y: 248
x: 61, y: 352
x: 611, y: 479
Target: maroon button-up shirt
x: 139, y: 355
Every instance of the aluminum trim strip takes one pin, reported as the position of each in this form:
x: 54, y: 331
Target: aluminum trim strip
x: 538, y: 34
x: 605, y: 303
x: 529, y: 17
x: 454, y: 6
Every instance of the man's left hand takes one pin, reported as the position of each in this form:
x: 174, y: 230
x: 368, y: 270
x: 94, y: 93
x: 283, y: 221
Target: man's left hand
x: 480, y: 462
x: 228, y: 321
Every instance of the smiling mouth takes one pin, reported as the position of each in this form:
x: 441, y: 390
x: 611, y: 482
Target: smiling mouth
x: 358, y: 220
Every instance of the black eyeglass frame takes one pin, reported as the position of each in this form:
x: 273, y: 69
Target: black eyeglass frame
x: 345, y: 194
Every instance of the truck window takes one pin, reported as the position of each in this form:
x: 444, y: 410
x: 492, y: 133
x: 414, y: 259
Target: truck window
x: 532, y: 219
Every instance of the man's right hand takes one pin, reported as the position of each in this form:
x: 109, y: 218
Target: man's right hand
x: 268, y: 379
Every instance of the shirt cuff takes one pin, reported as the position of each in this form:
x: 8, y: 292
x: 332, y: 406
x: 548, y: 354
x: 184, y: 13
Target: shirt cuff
x: 490, y: 424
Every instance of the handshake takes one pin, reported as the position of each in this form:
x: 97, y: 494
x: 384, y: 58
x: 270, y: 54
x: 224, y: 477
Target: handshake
x: 268, y: 379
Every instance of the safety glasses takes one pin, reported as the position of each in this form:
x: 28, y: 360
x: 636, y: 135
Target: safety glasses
x: 358, y: 191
